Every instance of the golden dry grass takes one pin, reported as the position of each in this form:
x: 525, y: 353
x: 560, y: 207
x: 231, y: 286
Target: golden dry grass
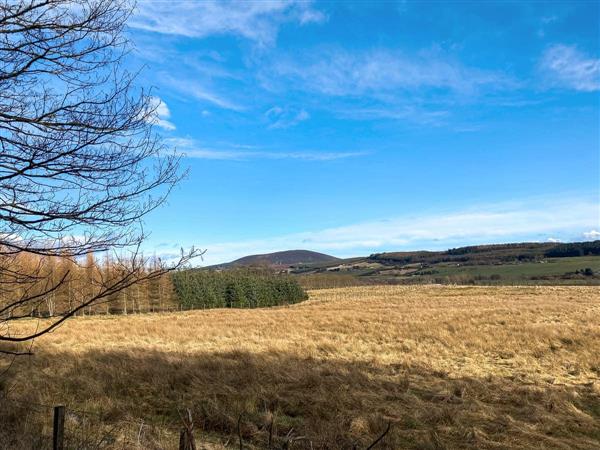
x: 450, y: 367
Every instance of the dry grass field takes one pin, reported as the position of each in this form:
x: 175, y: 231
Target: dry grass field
x: 449, y: 367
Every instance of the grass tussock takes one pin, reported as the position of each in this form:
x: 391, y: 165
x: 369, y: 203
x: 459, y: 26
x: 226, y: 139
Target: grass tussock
x: 450, y: 367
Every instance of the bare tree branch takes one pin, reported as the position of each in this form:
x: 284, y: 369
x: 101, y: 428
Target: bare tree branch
x: 80, y: 163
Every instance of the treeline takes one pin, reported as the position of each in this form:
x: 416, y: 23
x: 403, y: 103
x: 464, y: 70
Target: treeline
x: 76, y: 280
x: 240, y: 288
x: 491, y: 254
x: 574, y: 249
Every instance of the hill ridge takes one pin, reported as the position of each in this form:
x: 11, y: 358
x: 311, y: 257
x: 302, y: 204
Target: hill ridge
x: 284, y: 258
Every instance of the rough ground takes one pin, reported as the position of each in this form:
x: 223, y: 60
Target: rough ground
x: 449, y: 367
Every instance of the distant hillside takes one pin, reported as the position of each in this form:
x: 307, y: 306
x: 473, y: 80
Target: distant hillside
x: 492, y: 254
x: 520, y: 263
x: 286, y: 258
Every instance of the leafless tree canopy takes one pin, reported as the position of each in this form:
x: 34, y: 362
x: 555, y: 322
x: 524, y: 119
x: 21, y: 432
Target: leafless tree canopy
x: 79, y: 162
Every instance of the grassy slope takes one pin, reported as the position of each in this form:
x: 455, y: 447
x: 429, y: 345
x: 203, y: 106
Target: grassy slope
x: 450, y: 367
x: 524, y: 271
x: 512, y: 273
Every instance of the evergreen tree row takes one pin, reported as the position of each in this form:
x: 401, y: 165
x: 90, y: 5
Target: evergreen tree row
x: 574, y: 249
x: 235, y: 289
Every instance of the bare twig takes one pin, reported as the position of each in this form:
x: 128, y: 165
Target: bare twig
x: 376, y: 441
x: 239, y: 430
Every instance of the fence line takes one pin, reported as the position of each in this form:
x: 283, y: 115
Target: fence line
x: 70, y: 430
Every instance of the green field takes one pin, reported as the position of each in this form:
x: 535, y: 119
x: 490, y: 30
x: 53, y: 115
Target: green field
x: 524, y: 272
x: 571, y: 263
x: 549, y: 271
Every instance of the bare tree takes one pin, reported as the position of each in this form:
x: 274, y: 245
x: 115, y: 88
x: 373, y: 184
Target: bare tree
x: 80, y: 164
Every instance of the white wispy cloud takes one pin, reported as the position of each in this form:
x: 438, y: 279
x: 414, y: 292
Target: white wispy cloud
x: 200, y: 92
x: 544, y: 23
x: 383, y: 84
x: 258, y: 21
x: 592, y: 234
x: 567, y: 67
x: 395, y: 112
x: 533, y: 219
x: 189, y: 148
x: 161, y: 115
x: 382, y: 72
x: 286, y: 117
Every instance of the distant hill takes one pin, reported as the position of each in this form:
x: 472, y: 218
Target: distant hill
x: 493, y: 254
x: 286, y: 258
x: 518, y: 263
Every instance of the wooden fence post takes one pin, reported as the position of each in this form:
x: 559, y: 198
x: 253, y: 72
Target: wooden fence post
x: 58, y: 430
x: 186, y: 437
x: 184, y: 440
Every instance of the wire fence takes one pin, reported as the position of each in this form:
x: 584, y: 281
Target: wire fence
x: 33, y: 425
x: 39, y: 426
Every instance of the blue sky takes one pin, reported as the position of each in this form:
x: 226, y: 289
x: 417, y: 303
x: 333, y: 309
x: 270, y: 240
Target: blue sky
x: 353, y: 128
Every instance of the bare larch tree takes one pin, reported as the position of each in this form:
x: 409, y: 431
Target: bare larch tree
x: 80, y: 164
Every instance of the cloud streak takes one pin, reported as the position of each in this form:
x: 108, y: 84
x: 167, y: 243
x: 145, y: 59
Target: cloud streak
x: 422, y: 87
x: 567, y: 67
x: 563, y: 219
x: 189, y: 148
x: 257, y: 21
x: 592, y: 234
x: 286, y: 117
x: 200, y: 92
x: 382, y: 71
